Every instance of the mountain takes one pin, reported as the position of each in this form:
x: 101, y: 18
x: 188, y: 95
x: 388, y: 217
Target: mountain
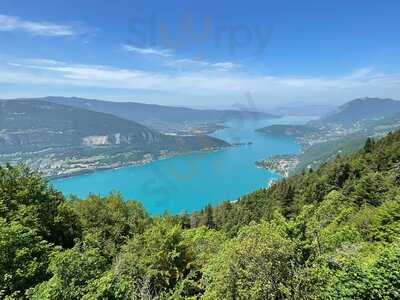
x: 304, y: 109
x: 361, y: 110
x: 289, y: 130
x: 342, y: 131
x: 50, y: 134
x: 151, y: 114
x: 391, y: 122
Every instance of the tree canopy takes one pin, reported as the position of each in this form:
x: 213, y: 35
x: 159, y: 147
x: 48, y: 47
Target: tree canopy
x: 331, y: 233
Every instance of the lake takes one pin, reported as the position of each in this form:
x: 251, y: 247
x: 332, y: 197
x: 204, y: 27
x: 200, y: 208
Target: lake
x: 191, y: 181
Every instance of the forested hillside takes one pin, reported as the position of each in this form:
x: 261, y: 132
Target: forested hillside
x: 60, y: 140
x: 331, y: 233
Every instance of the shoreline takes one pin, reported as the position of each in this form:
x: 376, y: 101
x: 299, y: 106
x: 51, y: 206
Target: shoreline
x: 281, y: 165
x: 137, y: 163
x: 142, y: 163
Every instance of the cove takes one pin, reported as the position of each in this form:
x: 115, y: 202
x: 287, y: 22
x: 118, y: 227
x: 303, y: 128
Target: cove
x: 191, y: 181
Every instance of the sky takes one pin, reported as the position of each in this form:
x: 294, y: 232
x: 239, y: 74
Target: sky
x: 201, y: 53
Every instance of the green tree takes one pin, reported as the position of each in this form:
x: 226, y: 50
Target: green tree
x: 24, y: 257
x: 202, y: 244
x: 28, y: 199
x: 371, y: 189
x: 73, y: 271
x: 369, y: 145
x: 327, y: 225
x: 151, y: 264
x: 261, y: 263
x: 209, y: 216
x: 385, y: 221
x: 385, y: 274
x: 108, y: 222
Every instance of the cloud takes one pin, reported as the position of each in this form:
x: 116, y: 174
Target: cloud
x: 226, y: 65
x: 170, y: 60
x: 205, y: 84
x: 147, y: 51
x: 202, y: 64
x: 12, y: 23
x: 53, y: 71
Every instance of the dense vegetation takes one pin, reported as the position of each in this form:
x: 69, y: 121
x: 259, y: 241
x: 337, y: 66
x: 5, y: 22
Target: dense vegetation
x: 332, y: 233
x: 315, y: 155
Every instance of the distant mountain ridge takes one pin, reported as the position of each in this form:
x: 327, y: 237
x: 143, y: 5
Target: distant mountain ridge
x: 288, y: 130
x: 298, y: 109
x: 149, y: 114
x: 361, y: 110
x: 50, y: 134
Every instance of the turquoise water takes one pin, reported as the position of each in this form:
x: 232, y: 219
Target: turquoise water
x: 189, y: 182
